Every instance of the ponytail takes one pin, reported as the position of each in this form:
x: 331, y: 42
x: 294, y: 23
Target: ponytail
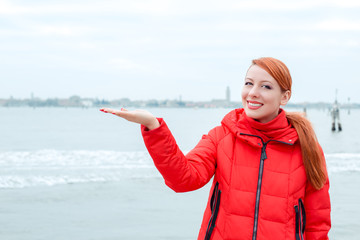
x: 312, y: 155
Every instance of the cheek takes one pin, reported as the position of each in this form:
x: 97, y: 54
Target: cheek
x: 274, y: 100
x: 244, y: 93
x: 272, y: 96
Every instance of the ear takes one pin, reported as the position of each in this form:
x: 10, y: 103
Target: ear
x: 285, y: 97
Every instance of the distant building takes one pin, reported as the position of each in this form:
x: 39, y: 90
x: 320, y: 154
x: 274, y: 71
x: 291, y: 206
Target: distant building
x: 228, y: 94
x: 87, y: 103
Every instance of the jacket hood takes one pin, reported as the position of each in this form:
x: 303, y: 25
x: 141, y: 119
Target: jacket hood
x: 279, y: 129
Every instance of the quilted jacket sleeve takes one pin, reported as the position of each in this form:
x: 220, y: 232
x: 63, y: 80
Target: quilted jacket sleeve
x: 181, y: 173
x: 317, y: 208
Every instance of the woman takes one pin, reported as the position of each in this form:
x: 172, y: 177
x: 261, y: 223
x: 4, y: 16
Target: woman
x: 270, y: 179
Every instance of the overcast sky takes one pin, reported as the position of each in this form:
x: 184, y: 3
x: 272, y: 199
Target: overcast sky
x: 157, y: 49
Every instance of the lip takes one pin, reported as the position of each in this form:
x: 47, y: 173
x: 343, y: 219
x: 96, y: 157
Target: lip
x: 254, y: 102
x: 253, y: 107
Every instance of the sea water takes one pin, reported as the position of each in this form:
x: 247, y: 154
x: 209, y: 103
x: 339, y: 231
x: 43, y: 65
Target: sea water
x: 71, y: 173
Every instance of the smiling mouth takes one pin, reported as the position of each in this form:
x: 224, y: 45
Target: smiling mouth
x: 253, y: 105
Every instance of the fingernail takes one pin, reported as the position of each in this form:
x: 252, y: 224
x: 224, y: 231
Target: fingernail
x: 114, y: 113
x: 122, y: 109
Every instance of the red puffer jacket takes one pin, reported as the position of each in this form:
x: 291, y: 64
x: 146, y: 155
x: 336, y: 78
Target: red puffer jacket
x: 260, y: 190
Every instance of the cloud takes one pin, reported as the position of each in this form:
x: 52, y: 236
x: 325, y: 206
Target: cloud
x: 167, y: 7
x: 140, y: 7
x: 338, y: 25
x: 64, y: 30
x: 124, y: 64
x: 326, y: 42
x: 285, y: 5
x: 36, y: 29
x: 191, y: 42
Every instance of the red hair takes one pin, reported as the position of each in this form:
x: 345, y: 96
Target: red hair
x: 312, y: 155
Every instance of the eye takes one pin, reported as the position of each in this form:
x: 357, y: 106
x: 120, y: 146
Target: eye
x: 266, y: 86
x: 248, y: 83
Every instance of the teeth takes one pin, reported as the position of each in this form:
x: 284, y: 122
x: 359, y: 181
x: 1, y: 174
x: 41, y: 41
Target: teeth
x: 255, y: 104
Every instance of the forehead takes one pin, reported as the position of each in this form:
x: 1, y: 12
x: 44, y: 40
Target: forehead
x: 256, y: 73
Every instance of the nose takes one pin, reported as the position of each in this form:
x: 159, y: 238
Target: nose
x: 254, y: 92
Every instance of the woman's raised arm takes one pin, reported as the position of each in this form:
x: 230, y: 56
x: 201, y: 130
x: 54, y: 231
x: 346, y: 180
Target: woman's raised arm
x: 181, y: 173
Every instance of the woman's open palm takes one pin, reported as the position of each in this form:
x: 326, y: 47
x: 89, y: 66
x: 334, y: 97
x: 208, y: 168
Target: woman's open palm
x: 137, y: 116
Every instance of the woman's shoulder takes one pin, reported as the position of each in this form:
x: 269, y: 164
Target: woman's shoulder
x: 218, y: 133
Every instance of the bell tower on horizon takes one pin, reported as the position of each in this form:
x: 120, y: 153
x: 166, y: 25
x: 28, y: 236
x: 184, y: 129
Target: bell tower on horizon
x: 228, y: 94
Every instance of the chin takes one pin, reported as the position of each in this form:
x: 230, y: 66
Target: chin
x: 252, y: 114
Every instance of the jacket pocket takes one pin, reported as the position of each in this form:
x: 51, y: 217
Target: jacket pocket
x: 214, y: 206
x: 300, y: 220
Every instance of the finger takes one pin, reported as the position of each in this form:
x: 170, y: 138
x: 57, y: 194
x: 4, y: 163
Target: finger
x: 110, y: 110
x: 119, y: 113
x: 105, y: 110
x: 124, y: 113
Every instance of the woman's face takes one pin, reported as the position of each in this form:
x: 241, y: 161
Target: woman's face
x: 261, y: 95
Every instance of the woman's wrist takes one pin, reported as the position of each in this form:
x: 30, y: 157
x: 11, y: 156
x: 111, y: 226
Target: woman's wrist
x: 153, y: 124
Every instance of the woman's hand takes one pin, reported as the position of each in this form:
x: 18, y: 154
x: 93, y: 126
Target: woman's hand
x: 137, y: 116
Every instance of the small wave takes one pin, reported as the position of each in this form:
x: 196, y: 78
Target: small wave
x: 17, y: 181
x: 343, y: 162
x: 73, y: 159
x: 53, y: 167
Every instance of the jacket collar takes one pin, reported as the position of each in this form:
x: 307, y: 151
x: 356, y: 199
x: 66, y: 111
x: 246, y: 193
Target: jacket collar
x: 242, y: 126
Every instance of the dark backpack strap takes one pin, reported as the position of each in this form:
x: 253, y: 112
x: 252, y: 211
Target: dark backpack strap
x: 302, y: 217
x: 214, y: 206
x: 297, y: 218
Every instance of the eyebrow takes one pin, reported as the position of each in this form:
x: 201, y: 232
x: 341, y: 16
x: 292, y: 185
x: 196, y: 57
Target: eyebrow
x: 260, y: 80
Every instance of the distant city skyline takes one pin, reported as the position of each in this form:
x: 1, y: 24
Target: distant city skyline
x: 226, y: 97
x: 175, y: 98
x: 158, y: 49
x: 79, y: 102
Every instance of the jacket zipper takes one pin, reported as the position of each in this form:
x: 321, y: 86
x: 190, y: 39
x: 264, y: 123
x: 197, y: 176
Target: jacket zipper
x: 258, y: 189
